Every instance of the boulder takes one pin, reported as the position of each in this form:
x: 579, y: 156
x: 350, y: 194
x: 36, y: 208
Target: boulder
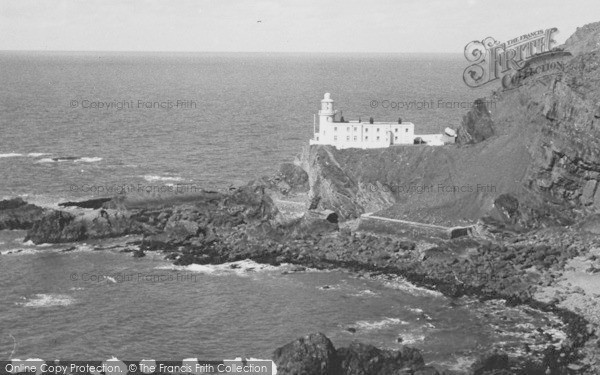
x: 477, y: 124
x: 294, y: 176
x: 313, y: 354
x: 364, y: 359
x: 489, y: 362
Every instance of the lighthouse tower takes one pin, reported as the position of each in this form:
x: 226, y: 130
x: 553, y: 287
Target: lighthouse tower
x: 327, y: 120
x: 326, y: 113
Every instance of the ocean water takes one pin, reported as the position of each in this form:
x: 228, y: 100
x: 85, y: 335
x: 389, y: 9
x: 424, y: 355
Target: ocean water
x: 88, y: 304
x: 244, y: 114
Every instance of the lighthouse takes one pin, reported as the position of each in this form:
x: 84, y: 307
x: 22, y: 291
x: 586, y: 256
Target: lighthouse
x: 374, y: 134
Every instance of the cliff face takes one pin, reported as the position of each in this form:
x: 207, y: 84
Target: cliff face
x: 537, y: 147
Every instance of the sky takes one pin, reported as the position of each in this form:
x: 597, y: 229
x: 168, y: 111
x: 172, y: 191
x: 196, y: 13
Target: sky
x: 388, y: 26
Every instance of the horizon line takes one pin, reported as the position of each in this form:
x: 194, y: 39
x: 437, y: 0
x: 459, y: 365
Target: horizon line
x: 257, y: 52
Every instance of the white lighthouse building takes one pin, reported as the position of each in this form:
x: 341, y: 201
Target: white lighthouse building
x: 330, y: 130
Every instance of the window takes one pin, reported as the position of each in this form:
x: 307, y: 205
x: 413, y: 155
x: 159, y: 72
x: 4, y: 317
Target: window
x: 317, y: 139
x: 366, y: 130
x: 335, y: 129
x: 354, y: 138
x: 406, y: 130
x: 396, y: 138
x: 348, y: 138
x: 396, y: 130
x: 366, y: 138
x: 355, y: 128
x: 377, y: 130
x: 335, y: 137
x: 377, y: 137
x: 348, y: 129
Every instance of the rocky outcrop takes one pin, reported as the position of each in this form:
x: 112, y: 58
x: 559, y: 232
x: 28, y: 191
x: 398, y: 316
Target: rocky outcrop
x: 585, y: 39
x: 477, y: 124
x: 17, y: 214
x: 315, y: 354
x: 61, y: 226
x: 95, y: 204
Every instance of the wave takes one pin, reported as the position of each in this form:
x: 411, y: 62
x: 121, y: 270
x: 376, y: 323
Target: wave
x: 49, y: 300
x: 88, y: 159
x: 37, y: 154
x: 411, y: 338
x: 379, y: 324
x: 239, y: 268
x: 399, y: 283
x: 76, y: 159
x: 365, y: 293
x: 154, y: 178
x: 10, y: 155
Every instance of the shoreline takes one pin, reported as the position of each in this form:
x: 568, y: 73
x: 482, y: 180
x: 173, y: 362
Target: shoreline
x: 406, y: 253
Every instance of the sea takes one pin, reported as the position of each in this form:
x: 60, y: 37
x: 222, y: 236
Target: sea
x: 78, y: 125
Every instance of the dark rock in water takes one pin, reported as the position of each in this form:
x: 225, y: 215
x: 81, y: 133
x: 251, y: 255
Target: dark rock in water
x: 68, y: 249
x: 139, y: 253
x: 477, y: 124
x: 489, y: 362
x: 61, y: 158
x: 9, y: 204
x: 17, y: 214
x: 61, y: 226
x: 55, y: 227
x: 313, y: 354
x: 399, y: 339
x: 363, y: 359
x: 90, y: 203
x: 351, y: 329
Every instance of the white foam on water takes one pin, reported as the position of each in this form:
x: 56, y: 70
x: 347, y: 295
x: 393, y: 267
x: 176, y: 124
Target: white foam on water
x: 239, y: 268
x: 10, y: 155
x: 379, y: 324
x: 19, y: 252
x: 37, y: 154
x: 88, y: 159
x: 46, y: 160
x: 365, y: 293
x: 415, y: 310
x: 400, y: 283
x: 153, y: 178
x: 411, y: 338
x: 49, y: 300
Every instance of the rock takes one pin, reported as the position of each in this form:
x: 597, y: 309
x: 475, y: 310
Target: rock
x: 364, y: 359
x: 477, y: 124
x: 17, y: 214
x: 490, y: 361
x: 313, y: 354
x: 95, y: 204
x: 61, y: 226
x: 295, y: 177
x: 55, y: 227
x: 138, y: 253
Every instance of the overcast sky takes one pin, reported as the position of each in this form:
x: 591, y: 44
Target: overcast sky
x: 285, y: 26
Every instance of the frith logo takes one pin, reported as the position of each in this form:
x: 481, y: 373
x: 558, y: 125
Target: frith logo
x: 492, y: 60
